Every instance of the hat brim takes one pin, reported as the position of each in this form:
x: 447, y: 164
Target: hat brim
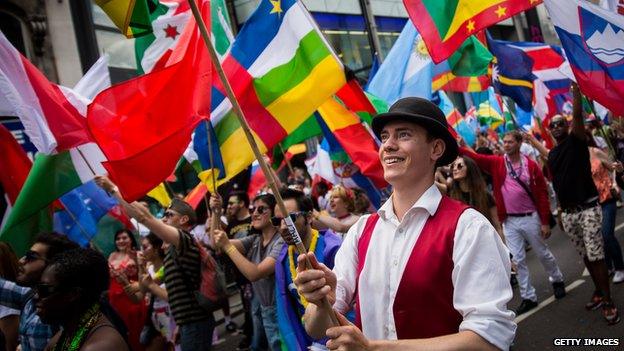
x: 434, y: 127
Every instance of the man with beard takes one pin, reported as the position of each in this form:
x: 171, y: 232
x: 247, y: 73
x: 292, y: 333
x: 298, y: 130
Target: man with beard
x: 33, y: 333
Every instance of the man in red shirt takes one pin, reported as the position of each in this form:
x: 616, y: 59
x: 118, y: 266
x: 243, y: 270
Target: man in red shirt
x: 523, y: 208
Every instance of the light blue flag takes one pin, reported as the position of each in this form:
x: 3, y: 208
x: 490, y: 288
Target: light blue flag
x: 406, y: 71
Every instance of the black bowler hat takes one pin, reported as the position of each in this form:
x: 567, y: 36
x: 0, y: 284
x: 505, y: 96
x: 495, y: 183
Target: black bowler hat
x: 427, y: 115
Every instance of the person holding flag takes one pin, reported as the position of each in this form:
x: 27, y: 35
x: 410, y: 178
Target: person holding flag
x: 405, y: 266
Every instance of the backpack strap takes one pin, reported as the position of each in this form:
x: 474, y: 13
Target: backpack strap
x: 362, y: 248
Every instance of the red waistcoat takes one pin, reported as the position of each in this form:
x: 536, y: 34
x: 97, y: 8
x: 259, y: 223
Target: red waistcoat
x: 423, y: 306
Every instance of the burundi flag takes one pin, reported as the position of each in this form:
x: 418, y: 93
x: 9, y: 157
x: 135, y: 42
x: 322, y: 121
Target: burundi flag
x: 445, y: 24
x: 132, y: 17
x: 281, y: 69
x: 168, y: 21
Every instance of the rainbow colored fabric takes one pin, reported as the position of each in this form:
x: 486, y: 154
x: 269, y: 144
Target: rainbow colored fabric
x: 281, y: 70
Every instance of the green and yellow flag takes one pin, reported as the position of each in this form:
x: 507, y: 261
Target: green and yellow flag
x: 445, y: 24
x: 132, y: 17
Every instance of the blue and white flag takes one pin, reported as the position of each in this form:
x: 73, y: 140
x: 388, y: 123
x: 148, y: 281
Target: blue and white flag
x: 406, y: 71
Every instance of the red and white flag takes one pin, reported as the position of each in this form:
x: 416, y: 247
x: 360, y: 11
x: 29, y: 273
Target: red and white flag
x: 47, y: 111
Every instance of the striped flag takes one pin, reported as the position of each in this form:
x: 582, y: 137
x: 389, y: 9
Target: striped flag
x: 445, y: 24
x: 456, y: 120
x: 281, y: 69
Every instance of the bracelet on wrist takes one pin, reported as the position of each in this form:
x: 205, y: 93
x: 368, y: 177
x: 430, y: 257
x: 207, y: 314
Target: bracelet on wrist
x: 231, y: 248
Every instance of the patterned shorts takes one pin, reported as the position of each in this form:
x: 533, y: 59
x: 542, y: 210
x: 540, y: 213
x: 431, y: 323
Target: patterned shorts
x: 584, y: 229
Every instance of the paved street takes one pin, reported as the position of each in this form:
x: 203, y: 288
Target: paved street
x: 566, y: 318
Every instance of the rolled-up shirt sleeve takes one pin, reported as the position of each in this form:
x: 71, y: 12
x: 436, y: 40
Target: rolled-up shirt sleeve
x: 480, y: 278
x: 345, y: 267
x: 13, y: 295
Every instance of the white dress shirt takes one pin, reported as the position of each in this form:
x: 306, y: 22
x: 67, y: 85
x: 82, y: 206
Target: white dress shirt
x: 480, y: 275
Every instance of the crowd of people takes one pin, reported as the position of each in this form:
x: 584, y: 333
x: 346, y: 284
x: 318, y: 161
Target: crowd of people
x: 448, y: 244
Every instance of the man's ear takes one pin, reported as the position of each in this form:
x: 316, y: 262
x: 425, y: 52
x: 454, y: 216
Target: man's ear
x: 438, y: 146
x: 184, y: 219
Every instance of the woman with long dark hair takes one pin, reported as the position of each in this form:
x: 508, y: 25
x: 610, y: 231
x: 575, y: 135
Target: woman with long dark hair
x: 124, y: 273
x: 469, y: 187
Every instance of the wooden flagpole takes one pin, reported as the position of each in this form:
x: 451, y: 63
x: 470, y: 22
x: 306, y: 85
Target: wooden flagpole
x: 290, y: 167
x: 296, y: 238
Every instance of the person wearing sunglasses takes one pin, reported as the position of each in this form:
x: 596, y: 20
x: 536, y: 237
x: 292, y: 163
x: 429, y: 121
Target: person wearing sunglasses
x: 416, y: 268
x: 70, y: 295
x: 255, y: 257
x: 323, y: 243
x: 33, y: 333
x: 468, y: 186
x: 581, y: 214
x: 521, y: 196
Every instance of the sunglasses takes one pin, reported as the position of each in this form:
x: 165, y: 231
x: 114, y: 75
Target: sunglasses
x: 276, y: 221
x: 457, y: 166
x: 260, y: 209
x: 557, y: 124
x: 31, y: 256
x: 169, y: 214
x: 46, y: 290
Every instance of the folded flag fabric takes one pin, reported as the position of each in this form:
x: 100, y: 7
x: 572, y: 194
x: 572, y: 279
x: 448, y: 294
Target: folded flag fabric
x: 46, y: 110
x: 132, y: 17
x: 406, y: 71
x: 195, y: 196
x: 20, y: 234
x: 14, y: 158
x: 279, y: 78
x: 161, y: 195
x: 512, y: 72
x: 168, y: 20
x: 456, y: 120
x: 352, y: 97
x: 331, y: 163
x: 593, y: 40
x: 466, y: 70
x: 153, y: 116
x: 357, y: 142
x: 83, y: 208
x: 445, y: 24
x: 491, y: 110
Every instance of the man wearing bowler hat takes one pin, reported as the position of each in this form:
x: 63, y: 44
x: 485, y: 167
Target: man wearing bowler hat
x: 423, y: 272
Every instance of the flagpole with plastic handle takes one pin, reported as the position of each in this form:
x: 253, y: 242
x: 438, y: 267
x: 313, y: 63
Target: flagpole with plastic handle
x: 296, y: 238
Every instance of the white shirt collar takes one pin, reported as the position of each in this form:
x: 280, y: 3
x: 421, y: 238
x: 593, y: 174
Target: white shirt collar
x: 429, y: 200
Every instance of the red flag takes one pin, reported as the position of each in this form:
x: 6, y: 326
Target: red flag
x: 357, y: 141
x: 14, y: 164
x: 144, y: 125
